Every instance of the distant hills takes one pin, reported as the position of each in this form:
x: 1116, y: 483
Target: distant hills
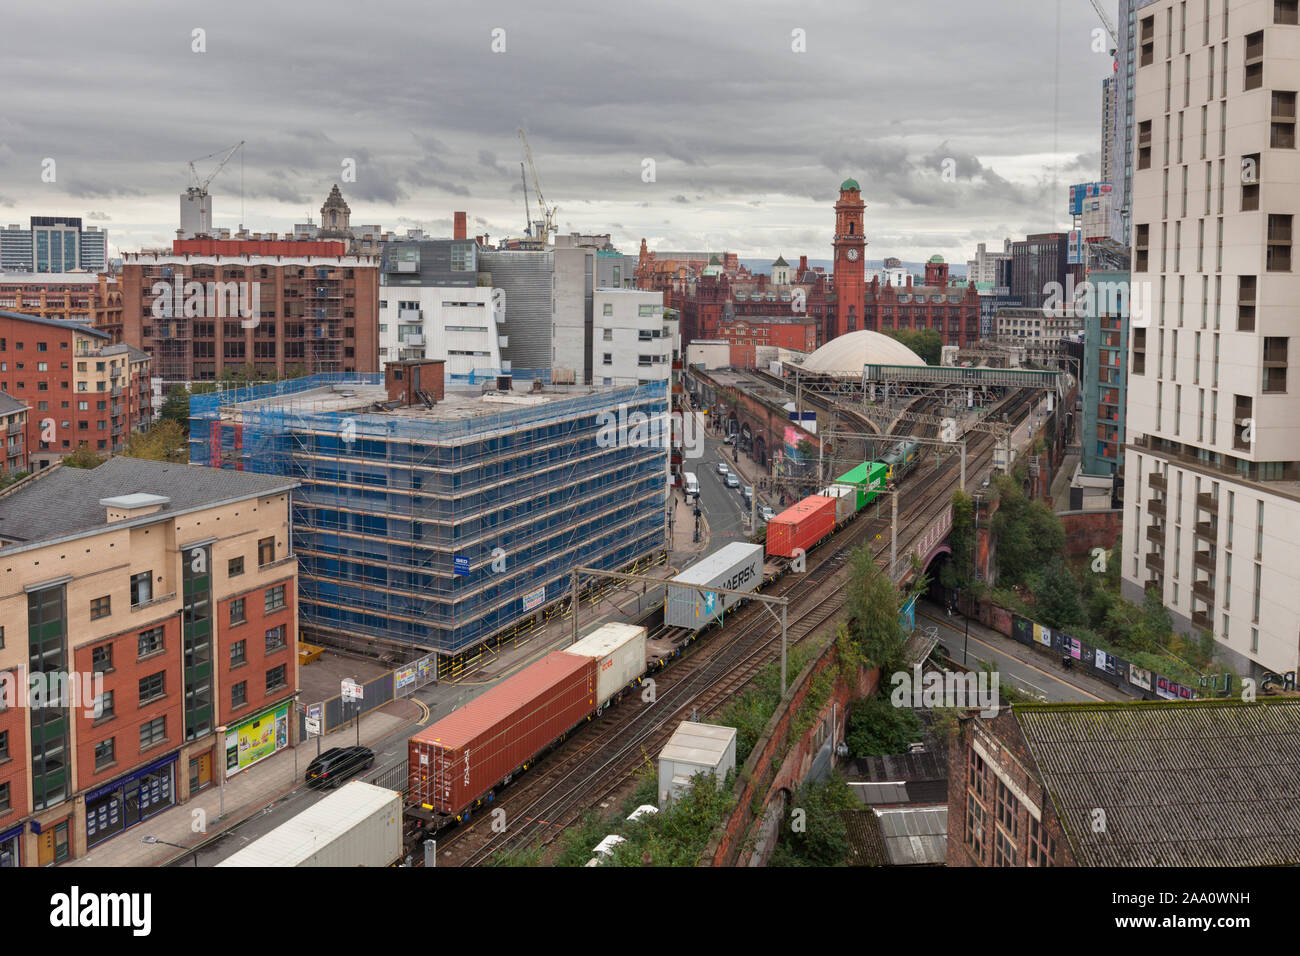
x: 764, y: 266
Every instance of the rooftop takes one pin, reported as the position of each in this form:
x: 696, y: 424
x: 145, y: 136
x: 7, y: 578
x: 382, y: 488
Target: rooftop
x: 64, y: 502
x: 56, y: 323
x: 1185, y: 783
x: 9, y: 404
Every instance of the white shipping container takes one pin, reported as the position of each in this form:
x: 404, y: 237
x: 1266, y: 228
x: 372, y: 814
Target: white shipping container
x: 736, y: 567
x: 358, y: 825
x: 620, y: 654
x: 846, y: 501
x: 695, y: 748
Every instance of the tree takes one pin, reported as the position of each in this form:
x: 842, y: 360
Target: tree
x: 1057, y: 594
x: 817, y: 836
x: 926, y: 343
x: 871, y: 609
x: 959, y: 571
x: 83, y: 457
x: 166, y: 441
x: 877, y: 728
x: 1028, y: 534
x: 176, y: 407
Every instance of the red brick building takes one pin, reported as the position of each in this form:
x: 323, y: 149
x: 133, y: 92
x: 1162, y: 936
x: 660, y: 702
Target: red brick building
x: 13, y: 435
x: 93, y: 300
x: 317, y: 310
x: 748, y: 333
x: 79, y: 389
x: 163, y: 599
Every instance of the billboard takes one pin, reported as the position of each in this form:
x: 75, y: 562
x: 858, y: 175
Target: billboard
x: 1081, y: 191
x: 263, y: 735
x: 1074, y: 256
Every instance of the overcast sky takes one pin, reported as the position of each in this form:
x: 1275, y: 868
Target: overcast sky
x: 749, y: 138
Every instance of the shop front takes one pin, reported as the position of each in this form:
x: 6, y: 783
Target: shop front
x: 257, y: 737
x: 11, y: 842
x: 129, y: 800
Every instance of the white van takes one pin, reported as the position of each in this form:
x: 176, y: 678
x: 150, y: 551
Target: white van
x: 692, y: 484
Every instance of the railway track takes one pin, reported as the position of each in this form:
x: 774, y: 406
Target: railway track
x: 600, y: 756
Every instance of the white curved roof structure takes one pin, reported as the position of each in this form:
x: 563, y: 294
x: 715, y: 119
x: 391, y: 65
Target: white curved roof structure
x: 847, y: 354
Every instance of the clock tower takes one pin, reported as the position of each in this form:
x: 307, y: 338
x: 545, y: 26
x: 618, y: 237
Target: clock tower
x: 850, y: 263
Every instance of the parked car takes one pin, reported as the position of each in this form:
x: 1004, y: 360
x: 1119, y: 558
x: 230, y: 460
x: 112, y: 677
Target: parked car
x: 722, y: 468
x: 748, y: 493
x: 731, y: 439
x: 766, y: 513
x: 335, y: 765
x: 732, y: 480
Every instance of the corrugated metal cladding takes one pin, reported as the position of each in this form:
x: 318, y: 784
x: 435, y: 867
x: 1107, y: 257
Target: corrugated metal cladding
x: 526, y: 278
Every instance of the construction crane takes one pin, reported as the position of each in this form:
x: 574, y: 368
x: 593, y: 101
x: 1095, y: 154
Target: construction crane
x: 545, y: 227
x: 1110, y: 27
x: 528, y: 216
x: 196, y: 211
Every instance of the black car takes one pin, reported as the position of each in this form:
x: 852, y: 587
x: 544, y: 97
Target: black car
x: 337, y: 764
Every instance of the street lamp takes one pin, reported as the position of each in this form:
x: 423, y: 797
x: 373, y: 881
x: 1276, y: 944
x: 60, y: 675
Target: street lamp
x: 153, y: 839
x: 221, y: 765
x: 294, y: 730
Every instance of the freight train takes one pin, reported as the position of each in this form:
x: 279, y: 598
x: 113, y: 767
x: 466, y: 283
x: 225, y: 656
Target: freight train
x: 457, y: 764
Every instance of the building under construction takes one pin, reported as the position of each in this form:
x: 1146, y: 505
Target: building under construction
x: 433, y: 518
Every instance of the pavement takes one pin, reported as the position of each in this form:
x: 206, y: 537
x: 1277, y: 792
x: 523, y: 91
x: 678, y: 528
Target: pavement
x: 1061, y: 483
x: 1038, y: 674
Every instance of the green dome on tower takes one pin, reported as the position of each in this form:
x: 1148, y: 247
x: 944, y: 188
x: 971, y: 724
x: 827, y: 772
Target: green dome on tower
x: 936, y: 258
x: 850, y: 184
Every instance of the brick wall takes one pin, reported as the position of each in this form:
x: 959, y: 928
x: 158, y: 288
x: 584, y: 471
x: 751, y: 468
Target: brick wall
x: 1085, y: 530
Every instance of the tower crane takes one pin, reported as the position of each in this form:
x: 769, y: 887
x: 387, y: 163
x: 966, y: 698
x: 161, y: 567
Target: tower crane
x: 199, y: 187
x: 546, y: 225
x: 1110, y: 27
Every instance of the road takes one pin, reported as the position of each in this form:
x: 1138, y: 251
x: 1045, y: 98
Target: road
x: 1033, y: 675
x: 723, y: 507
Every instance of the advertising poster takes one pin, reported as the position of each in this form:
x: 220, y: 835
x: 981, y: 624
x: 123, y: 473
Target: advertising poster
x: 260, y: 737
x: 1043, y: 635
x: 535, y: 599
x: 1022, y: 630
x: 405, y: 676
x: 1164, y: 689
x: 1072, y: 647
x: 1139, y: 677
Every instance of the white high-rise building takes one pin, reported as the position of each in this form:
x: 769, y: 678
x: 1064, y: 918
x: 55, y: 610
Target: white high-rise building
x: 633, y: 342
x: 1212, y: 468
x: 462, y: 324
x: 984, y: 267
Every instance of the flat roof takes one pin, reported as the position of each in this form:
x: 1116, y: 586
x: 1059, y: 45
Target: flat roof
x: 696, y: 743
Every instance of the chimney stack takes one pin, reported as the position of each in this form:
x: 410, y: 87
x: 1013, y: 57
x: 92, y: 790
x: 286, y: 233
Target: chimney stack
x: 459, y: 231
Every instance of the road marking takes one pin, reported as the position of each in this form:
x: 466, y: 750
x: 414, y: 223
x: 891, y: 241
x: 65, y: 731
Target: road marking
x: 1032, y: 667
x: 424, y: 712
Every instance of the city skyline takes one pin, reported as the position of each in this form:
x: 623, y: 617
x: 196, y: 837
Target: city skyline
x: 745, y: 164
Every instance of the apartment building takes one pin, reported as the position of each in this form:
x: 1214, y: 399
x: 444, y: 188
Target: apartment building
x: 277, y: 305
x: 634, y: 337
x: 13, y: 428
x: 150, y: 606
x: 1212, y: 489
x: 81, y: 391
x: 84, y: 297
x: 53, y: 244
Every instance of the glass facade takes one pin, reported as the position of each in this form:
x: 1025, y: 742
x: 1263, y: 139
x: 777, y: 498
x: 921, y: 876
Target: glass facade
x: 196, y: 584
x: 122, y: 804
x: 47, y: 644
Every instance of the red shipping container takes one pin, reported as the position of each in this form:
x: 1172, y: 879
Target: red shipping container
x: 800, y: 526
x: 464, y: 755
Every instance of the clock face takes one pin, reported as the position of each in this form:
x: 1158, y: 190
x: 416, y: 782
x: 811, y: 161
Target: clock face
x: 852, y: 254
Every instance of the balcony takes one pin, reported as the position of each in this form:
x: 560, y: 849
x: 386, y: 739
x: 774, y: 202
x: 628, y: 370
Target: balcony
x: 15, y: 428
x: 116, y: 392
x: 1209, y: 530
x: 1156, y: 533
x: 1155, y: 563
x: 413, y: 338
x: 1157, y: 481
x: 1202, y: 620
x: 1204, y: 560
x: 1207, y: 502
x: 1205, y: 591
x: 1156, y: 506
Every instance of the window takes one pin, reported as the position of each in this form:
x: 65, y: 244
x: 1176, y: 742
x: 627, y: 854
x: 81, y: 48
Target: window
x: 104, y: 754
x: 1008, y: 807
x: 100, y: 607
x: 274, y: 598
x: 152, y: 687
x: 154, y: 732
x: 974, y: 826
x: 151, y: 641
x: 1144, y: 144
x: 101, y: 659
x: 1250, y: 175
x: 141, y: 588
x: 1004, y: 850
x: 1042, y: 848
x: 237, y: 612
x: 1275, y: 350
x: 1282, y: 131
x: 237, y: 653
x: 103, y: 706
x: 1246, y: 304
x: 1285, y: 12
x: 275, y: 678
x: 608, y: 359
x: 275, y: 639
x: 1254, y: 60
x: 234, y: 567
x: 265, y: 552
x: 1139, y: 351
x: 609, y: 308
x: 239, y: 694
x: 1279, y: 243
x: 4, y: 745
x: 4, y: 796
